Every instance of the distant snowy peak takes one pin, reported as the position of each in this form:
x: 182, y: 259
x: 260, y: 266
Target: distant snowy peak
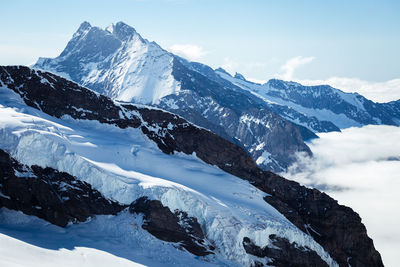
x: 85, y: 26
x: 222, y: 71
x: 115, y: 61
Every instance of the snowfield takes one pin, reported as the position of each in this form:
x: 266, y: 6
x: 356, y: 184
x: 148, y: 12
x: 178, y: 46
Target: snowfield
x: 124, y: 165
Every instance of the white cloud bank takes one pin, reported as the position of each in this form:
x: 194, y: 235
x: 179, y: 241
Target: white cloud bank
x: 376, y: 91
x: 365, y: 163
x: 188, y: 51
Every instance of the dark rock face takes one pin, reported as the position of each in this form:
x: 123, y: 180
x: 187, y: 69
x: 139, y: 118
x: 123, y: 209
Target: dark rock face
x: 337, y: 228
x: 88, y: 42
x: 283, y: 253
x: 169, y: 226
x: 56, y: 197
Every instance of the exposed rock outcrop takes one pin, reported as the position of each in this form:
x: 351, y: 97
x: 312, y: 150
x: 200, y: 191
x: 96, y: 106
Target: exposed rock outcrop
x: 282, y: 253
x: 54, y: 196
x: 170, y: 226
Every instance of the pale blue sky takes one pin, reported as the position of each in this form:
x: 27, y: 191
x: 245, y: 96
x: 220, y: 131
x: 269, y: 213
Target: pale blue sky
x: 356, y: 39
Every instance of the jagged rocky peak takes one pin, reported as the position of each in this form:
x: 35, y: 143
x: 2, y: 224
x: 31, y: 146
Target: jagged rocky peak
x: 222, y: 71
x: 276, y: 83
x: 87, y: 43
x: 91, y: 41
x: 121, y: 30
x: 239, y: 76
x: 82, y: 28
x: 117, y: 62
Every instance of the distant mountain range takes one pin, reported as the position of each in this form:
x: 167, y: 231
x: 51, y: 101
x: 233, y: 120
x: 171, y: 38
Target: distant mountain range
x: 320, y: 108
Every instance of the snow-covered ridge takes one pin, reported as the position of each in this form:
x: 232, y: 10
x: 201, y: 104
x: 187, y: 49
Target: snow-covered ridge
x: 323, y: 103
x: 123, y: 165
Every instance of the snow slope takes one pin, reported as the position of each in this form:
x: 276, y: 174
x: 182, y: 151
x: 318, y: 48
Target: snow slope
x: 124, y: 165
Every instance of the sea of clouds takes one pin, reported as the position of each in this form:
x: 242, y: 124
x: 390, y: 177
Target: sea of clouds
x: 360, y: 167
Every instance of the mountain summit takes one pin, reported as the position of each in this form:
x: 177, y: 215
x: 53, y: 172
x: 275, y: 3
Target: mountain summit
x: 122, y: 31
x: 117, y: 62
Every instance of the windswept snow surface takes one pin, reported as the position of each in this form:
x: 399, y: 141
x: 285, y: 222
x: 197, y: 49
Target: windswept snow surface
x: 124, y: 165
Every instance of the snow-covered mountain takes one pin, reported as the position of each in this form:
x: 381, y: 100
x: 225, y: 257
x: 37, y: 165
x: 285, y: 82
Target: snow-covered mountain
x: 319, y: 108
x: 119, y: 63
x: 116, y: 62
x: 130, y: 180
